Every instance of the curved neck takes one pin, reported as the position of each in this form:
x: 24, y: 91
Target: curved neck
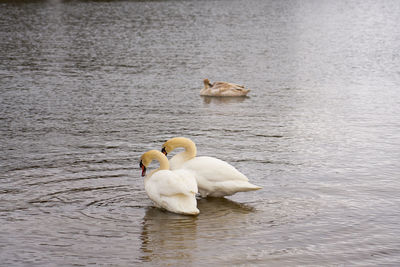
x: 189, y: 146
x: 160, y: 157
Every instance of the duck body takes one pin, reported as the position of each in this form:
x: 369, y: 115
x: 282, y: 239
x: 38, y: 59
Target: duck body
x: 215, y: 178
x: 223, y: 89
x: 174, y: 191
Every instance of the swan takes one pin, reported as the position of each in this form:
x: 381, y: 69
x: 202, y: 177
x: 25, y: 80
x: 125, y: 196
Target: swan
x: 174, y: 191
x: 223, y: 89
x: 215, y: 178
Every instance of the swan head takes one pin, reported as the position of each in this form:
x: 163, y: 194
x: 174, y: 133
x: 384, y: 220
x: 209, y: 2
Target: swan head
x: 176, y: 142
x: 145, y: 161
x: 168, y: 146
x: 148, y: 157
x: 143, y: 168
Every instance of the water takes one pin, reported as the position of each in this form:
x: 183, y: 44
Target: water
x: 87, y: 86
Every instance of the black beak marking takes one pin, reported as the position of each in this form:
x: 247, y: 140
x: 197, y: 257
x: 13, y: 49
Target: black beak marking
x: 143, y: 168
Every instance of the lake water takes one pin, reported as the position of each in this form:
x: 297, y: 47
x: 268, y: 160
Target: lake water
x: 86, y: 87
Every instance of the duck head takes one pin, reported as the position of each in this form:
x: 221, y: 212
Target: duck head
x: 207, y: 83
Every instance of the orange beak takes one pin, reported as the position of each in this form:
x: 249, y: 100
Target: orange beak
x: 143, y: 168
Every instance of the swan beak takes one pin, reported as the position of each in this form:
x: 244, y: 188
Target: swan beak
x: 164, y: 151
x: 143, y: 168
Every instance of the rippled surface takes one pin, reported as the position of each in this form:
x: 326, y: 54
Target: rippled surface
x: 87, y: 87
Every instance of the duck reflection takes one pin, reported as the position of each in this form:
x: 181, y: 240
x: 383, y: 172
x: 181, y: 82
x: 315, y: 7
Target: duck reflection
x: 169, y: 238
x: 223, y: 100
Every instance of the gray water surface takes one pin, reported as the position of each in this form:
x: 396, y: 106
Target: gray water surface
x: 86, y: 87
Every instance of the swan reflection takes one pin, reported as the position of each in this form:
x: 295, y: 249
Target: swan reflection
x: 218, y: 205
x: 168, y: 238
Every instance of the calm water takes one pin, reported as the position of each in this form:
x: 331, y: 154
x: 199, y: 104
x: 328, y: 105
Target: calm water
x: 87, y: 87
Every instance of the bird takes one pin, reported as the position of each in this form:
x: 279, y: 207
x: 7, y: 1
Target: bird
x: 174, y: 191
x: 223, y: 89
x: 215, y: 178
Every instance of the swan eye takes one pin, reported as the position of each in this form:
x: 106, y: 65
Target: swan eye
x: 164, y: 151
x: 140, y: 164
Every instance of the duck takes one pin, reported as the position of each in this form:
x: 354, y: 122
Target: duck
x: 223, y: 89
x: 174, y: 191
x: 215, y: 177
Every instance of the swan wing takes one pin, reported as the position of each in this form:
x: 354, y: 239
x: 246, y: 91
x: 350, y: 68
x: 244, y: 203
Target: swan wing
x: 169, y: 183
x: 217, y: 178
x: 213, y: 169
x: 187, y: 180
x: 173, y: 191
x: 176, y: 161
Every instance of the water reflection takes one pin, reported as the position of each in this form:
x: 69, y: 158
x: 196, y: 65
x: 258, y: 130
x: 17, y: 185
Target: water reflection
x: 167, y: 235
x: 212, y: 206
x: 172, y: 237
x: 223, y: 100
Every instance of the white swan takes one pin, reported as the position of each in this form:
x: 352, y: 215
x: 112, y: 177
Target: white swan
x: 215, y: 178
x: 223, y: 89
x: 174, y: 191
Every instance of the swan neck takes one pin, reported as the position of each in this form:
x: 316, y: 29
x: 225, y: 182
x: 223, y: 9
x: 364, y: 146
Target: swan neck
x: 164, y: 165
x: 189, y: 146
x: 161, y: 158
x: 190, y: 150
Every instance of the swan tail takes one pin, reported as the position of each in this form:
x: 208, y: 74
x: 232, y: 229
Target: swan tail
x: 246, y: 186
x: 230, y: 188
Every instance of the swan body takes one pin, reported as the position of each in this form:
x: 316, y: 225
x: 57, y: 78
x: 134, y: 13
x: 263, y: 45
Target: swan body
x: 175, y: 190
x: 223, y: 89
x: 215, y: 178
